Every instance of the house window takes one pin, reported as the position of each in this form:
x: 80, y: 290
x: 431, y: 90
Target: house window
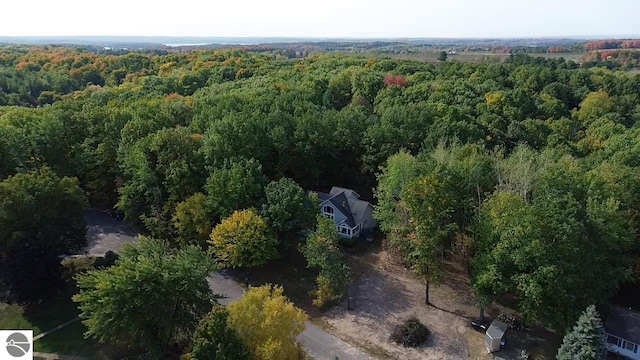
x: 345, y: 230
x: 614, y: 341
x: 328, y: 212
x: 631, y: 346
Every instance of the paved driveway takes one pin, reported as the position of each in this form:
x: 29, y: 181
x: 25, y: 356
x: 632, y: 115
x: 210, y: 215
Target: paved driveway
x: 105, y: 233
x: 318, y: 343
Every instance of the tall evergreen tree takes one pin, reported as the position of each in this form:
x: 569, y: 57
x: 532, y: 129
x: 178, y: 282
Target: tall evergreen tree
x: 586, y: 341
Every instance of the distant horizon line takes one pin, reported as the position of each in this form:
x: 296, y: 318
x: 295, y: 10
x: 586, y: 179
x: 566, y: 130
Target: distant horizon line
x: 533, y: 37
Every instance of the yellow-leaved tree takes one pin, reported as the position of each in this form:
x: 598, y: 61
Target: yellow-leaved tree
x: 243, y: 240
x: 267, y: 323
x: 192, y: 222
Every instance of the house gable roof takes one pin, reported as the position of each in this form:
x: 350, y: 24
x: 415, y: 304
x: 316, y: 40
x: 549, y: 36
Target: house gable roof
x: 350, y: 194
x: 321, y: 195
x: 622, y: 323
x: 358, y: 210
x: 342, y: 204
x: 348, y: 203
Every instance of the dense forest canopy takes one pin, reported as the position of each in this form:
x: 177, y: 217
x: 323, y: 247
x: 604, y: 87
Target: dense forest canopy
x: 534, y: 161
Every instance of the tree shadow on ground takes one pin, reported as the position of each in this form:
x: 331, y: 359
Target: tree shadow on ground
x: 379, y: 296
x: 291, y: 273
x: 539, y: 342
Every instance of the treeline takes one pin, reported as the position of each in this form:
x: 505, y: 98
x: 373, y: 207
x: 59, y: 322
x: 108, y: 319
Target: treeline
x: 628, y: 59
x: 533, y: 163
x: 612, y: 44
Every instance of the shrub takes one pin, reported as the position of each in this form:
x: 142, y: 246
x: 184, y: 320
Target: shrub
x: 76, y: 265
x: 411, y: 333
x: 513, y: 320
x: 108, y: 260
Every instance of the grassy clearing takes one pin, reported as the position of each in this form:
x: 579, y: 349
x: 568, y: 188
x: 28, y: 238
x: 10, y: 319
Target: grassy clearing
x: 38, y: 317
x: 45, y: 316
x: 41, y: 317
x: 68, y: 341
x: 12, y: 317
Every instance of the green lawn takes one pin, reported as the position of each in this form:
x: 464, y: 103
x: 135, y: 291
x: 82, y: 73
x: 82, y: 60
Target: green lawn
x: 69, y: 341
x: 56, y: 311
x: 46, y: 316
x: 12, y: 317
x: 38, y: 317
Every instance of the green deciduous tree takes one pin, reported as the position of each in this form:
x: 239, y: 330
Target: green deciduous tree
x: 496, y: 217
x: 243, y: 240
x: 471, y: 174
x: 13, y: 148
x: 267, y: 323
x: 152, y: 297
x: 238, y: 185
x: 286, y: 208
x: 339, y: 91
x: 586, y: 341
x: 399, y: 127
x: 415, y: 210
x: 518, y: 172
x: 41, y: 218
x: 322, y: 252
x: 428, y: 201
x: 239, y: 134
x: 214, y: 339
x: 159, y: 171
x: 399, y: 171
x: 595, y: 105
x: 523, y: 248
x: 367, y: 84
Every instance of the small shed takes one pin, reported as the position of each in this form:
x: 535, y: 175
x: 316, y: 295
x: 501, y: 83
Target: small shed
x: 493, y: 338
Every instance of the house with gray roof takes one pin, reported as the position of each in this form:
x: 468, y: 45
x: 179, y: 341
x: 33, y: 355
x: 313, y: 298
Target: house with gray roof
x: 351, y: 215
x: 622, y: 327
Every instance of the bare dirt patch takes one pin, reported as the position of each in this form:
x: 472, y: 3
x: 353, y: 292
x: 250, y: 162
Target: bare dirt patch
x: 380, y: 301
x: 384, y: 294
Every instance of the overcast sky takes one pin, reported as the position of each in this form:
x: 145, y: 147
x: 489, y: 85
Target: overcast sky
x: 325, y: 18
